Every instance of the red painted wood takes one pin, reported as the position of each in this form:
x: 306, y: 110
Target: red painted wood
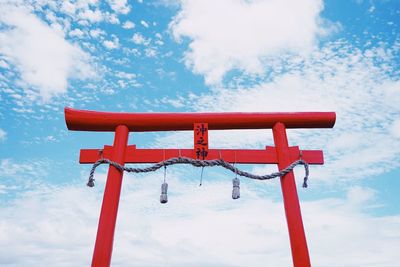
x: 108, y: 216
x: 243, y: 156
x: 84, y: 120
x: 291, y: 203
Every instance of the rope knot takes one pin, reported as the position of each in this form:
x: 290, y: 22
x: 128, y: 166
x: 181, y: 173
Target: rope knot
x: 90, y: 183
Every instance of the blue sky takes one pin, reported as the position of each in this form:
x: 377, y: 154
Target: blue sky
x: 198, y: 56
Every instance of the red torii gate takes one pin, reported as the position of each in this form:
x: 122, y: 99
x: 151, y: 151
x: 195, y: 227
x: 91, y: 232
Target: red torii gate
x: 121, y: 152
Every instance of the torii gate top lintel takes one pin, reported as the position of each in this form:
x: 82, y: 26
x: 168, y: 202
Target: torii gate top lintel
x: 84, y: 120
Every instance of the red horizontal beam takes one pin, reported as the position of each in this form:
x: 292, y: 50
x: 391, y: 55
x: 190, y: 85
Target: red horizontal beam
x: 243, y: 156
x: 85, y: 120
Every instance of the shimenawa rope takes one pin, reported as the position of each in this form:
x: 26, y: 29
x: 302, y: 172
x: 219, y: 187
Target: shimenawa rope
x: 201, y: 163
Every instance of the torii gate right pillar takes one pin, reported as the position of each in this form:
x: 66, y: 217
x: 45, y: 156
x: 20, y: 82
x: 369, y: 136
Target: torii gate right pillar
x: 298, y: 242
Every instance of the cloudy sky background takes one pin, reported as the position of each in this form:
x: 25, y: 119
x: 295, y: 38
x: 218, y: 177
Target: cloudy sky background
x: 187, y: 55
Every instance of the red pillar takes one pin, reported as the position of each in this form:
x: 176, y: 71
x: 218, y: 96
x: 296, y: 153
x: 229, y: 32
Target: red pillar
x: 297, y: 236
x: 109, y: 209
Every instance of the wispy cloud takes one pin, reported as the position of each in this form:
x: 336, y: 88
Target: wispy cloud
x: 111, y: 44
x: 44, y: 59
x: 128, y: 25
x: 139, y: 39
x: 198, y: 227
x: 10, y: 168
x: 120, y: 6
x: 358, y: 84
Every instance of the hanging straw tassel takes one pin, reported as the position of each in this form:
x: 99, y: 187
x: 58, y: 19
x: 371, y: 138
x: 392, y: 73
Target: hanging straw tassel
x: 305, y: 185
x: 236, y: 188
x: 164, y: 196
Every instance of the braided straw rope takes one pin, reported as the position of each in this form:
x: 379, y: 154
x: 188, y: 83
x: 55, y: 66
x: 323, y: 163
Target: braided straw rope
x: 200, y: 163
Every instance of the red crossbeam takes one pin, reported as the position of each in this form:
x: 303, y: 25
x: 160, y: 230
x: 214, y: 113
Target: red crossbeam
x: 85, y: 120
x: 243, y: 156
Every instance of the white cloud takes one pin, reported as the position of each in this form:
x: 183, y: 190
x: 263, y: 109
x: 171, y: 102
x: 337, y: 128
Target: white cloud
x: 113, y: 19
x: 68, y: 7
x: 140, y: 39
x: 84, y: 12
x: 179, y: 102
x: 121, y: 83
x: 43, y: 57
x: 235, y: 34
x: 50, y: 138
x: 111, y: 44
x: 76, y: 33
x: 371, y: 9
x: 90, y: 15
x: 12, y: 169
x: 119, y: 6
x: 128, y: 25
x: 3, y: 135
x: 200, y: 226
x: 150, y: 52
x: 125, y: 75
x: 96, y: 33
x: 144, y: 23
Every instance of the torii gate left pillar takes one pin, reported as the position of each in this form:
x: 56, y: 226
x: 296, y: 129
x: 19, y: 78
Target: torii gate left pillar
x: 123, y: 123
x: 108, y: 214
